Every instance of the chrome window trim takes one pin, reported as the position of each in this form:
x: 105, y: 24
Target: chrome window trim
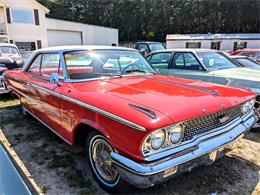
x: 64, y: 68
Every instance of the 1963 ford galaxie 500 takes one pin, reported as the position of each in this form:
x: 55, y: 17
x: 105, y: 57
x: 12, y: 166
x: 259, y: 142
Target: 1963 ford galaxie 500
x: 138, y: 127
x: 207, y: 65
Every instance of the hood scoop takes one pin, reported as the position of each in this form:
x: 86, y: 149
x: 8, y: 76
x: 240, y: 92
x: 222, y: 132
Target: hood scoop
x: 144, y: 110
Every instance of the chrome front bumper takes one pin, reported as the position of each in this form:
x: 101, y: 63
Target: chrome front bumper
x: 206, y: 151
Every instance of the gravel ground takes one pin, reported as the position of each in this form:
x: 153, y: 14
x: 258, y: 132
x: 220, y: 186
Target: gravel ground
x: 61, y: 169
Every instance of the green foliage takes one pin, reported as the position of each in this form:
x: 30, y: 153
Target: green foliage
x: 154, y: 19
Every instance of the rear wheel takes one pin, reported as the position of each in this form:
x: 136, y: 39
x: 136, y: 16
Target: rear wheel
x: 100, y: 161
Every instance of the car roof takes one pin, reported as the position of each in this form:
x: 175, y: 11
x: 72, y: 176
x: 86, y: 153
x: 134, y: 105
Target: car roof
x: 149, y: 42
x: 8, y: 45
x: 248, y: 49
x: 237, y: 56
x: 81, y: 47
x: 184, y: 49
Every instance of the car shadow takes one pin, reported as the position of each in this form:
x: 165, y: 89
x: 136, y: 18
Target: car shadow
x: 253, y: 136
x: 217, y: 178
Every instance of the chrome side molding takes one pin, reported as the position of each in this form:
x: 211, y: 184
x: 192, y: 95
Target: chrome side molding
x: 88, y: 106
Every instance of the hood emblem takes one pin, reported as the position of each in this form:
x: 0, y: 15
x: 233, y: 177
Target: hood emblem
x: 222, y: 105
x: 224, y: 118
x: 146, y: 111
x: 203, y: 110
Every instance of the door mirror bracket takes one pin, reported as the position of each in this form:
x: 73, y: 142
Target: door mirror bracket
x: 54, y: 78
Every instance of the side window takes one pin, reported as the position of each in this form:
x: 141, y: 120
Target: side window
x: 160, y: 60
x: 186, y: 61
x: 50, y: 64
x: 35, y: 66
x: 142, y: 46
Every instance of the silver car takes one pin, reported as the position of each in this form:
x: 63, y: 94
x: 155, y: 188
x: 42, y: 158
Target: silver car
x: 207, y: 65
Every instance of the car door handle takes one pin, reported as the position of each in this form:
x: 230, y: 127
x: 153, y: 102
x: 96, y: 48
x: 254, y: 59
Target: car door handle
x: 28, y: 84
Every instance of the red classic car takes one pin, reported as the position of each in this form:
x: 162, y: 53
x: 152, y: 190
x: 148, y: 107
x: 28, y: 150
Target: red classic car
x: 138, y: 127
x: 253, y: 54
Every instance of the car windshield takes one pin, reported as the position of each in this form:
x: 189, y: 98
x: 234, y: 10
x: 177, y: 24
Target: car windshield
x: 248, y: 63
x: 82, y: 65
x: 156, y: 46
x: 216, y: 60
x: 5, y: 50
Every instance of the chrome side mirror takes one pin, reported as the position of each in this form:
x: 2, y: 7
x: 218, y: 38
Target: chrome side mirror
x: 54, y: 78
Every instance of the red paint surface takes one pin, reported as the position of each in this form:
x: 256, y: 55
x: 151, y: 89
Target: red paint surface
x: 171, y: 103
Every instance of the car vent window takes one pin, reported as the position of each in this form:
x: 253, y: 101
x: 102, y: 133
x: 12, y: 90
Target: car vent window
x: 50, y: 64
x: 35, y: 66
x: 160, y: 60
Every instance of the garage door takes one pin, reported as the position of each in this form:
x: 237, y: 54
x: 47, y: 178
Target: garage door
x: 60, y: 38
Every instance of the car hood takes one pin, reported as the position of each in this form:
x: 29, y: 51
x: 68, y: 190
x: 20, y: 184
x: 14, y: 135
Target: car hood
x: 239, y: 73
x: 240, y: 77
x: 176, y: 98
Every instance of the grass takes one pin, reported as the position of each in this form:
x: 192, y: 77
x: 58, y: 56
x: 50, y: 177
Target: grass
x: 60, y: 162
x: 6, y: 102
x: 44, y: 189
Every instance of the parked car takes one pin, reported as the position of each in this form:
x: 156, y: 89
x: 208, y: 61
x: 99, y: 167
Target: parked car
x: 11, y: 181
x: 146, y: 47
x: 10, y: 58
x: 207, y: 65
x: 246, y: 62
x: 137, y: 126
x: 253, y: 54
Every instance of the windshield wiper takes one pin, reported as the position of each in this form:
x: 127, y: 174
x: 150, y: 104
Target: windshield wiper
x: 138, y: 70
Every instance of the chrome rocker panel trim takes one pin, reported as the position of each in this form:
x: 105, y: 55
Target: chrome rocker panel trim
x: 144, y: 175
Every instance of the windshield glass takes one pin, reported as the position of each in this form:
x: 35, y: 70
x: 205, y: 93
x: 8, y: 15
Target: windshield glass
x: 216, y: 60
x: 248, y: 63
x: 156, y: 46
x: 5, y: 50
x: 83, y: 65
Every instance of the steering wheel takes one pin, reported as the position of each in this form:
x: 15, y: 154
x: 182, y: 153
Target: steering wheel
x: 133, y: 65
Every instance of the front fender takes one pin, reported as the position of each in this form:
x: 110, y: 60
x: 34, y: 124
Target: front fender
x: 91, y: 124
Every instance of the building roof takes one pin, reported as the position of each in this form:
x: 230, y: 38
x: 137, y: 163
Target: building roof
x: 4, y: 2
x: 60, y: 21
x: 209, y: 36
x: 41, y: 6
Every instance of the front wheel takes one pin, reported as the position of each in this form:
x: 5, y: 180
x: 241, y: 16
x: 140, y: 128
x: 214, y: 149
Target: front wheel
x: 100, y: 161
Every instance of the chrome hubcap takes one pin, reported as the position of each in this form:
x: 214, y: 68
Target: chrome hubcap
x: 101, y: 153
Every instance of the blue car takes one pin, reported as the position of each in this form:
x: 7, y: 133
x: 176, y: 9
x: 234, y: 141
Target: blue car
x: 11, y: 181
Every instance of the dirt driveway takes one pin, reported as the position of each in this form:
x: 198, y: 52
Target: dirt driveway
x: 61, y: 169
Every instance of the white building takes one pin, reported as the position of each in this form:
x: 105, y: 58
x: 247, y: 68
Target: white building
x: 214, y: 41
x: 24, y: 23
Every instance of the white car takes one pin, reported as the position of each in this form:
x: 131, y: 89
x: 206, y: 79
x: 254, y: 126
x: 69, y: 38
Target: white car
x: 10, y: 58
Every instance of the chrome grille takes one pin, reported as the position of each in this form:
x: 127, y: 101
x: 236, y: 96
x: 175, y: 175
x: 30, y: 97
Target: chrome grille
x: 208, y: 122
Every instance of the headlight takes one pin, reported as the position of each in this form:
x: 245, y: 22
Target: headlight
x: 175, y: 134
x: 154, y: 141
x: 157, y: 139
x: 252, y: 102
x: 249, y: 105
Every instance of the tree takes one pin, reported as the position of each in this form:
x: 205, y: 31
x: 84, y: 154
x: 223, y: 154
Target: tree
x: 154, y: 19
